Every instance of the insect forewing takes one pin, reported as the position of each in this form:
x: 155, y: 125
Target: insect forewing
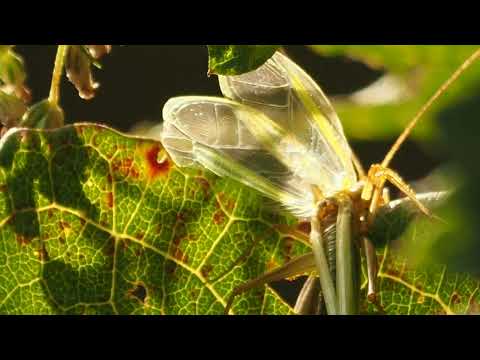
x: 213, y: 132
x: 288, y: 95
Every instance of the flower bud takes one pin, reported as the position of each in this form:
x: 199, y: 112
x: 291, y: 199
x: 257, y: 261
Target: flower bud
x: 12, y: 73
x: 43, y: 115
x: 11, y: 110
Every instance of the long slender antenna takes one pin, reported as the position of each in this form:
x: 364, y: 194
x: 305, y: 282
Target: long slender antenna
x: 403, y: 136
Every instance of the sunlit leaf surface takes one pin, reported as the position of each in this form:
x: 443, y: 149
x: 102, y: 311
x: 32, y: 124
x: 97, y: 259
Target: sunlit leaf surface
x: 96, y: 222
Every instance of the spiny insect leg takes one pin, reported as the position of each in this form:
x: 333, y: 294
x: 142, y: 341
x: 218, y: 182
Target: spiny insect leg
x: 299, y: 265
x: 307, y: 301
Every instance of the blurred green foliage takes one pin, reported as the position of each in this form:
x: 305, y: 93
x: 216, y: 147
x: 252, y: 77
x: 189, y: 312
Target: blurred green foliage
x: 420, y: 70
x: 452, y: 126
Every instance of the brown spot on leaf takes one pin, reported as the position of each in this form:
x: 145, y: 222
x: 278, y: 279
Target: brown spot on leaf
x: 181, y: 217
x: 157, y: 166
x: 473, y: 307
x: 171, y: 268
x: 125, y: 244
x: 110, y: 199
x: 109, y: 248
x: 64, y: 225
x: 218, y: 217
x: 109, y: 178
x: 228, y: 203
x: 42, y: 253
x: 205, y: 270
x: 456, y: 298
x: 139, y: 292
x: 304, y: 227
x: 418, y: 285
x: 140, y: 235
x: 287, y: 248
x: 3, y: 188
x: 176, y: 252
x: 205, y: 186
x: 194, y: 293
x: 23, y: 240
x: 125, y: 168
x: 180, y: 256
x: 393, y: 272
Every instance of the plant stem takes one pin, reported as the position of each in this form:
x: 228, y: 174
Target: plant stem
x: 54, y: 95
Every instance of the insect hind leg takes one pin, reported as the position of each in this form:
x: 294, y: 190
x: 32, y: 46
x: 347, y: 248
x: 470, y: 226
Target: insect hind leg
x: 298, y: 266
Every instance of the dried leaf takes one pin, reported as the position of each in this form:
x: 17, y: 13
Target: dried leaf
x: 78, y: 68
x: 98, y: 51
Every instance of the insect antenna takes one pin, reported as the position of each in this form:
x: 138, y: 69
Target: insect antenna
x: 403, y: 136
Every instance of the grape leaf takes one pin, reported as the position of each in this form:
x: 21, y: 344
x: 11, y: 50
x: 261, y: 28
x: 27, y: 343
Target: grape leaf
x: 408, y: 283
x: 422, y: 290
x: 95, y: 222
x: 237, y: 59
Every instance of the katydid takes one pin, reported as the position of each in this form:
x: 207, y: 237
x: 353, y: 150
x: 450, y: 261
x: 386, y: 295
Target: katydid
x: 276, y: 131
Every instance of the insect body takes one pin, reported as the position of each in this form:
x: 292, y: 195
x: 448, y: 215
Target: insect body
x: 276, y: 131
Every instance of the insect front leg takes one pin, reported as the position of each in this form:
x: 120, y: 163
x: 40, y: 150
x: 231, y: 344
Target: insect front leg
x: 347, y: 260
x: 300, y: 265
x: 372, y: 268
x: 378, y: 175
x: 308, y: 300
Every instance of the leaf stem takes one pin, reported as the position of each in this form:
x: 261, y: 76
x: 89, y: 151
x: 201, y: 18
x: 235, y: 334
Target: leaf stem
x: 54, y: 95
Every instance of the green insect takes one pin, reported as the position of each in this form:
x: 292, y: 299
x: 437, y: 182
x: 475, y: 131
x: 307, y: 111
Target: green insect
x: 276, y: 131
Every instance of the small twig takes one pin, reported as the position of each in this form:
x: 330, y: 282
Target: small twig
x: 54, y: 95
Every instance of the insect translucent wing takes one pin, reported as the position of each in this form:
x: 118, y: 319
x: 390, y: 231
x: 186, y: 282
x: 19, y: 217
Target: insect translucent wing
x: 283, y: 91
x: 211, y: 132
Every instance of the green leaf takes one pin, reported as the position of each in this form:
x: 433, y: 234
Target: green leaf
x: 238, y: 59
x: 411, y: 280
x: 12, y: 74
x: 95, y: 222
x: 418, y: 71
x: 405, y: 289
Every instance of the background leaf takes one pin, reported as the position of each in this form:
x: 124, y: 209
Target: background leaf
x: 411, y: 280
x: 237, y: 59
x: 421, y: 70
